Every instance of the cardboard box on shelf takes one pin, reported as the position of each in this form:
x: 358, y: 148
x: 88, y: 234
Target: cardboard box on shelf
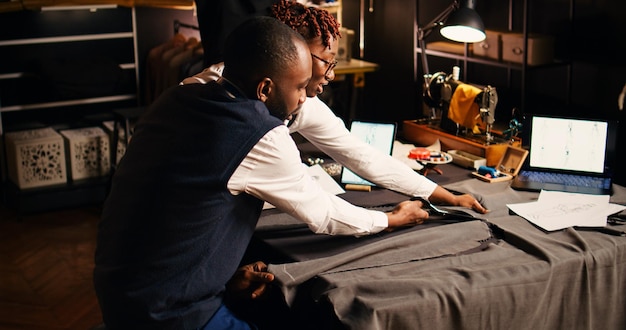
x: 540, y: 48
x: 491, y: 47
x: 448, y: 47
x: 344, y: 53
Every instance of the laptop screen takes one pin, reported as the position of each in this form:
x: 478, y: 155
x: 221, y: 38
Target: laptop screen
x: 379, y: 135
x: 579, y: 145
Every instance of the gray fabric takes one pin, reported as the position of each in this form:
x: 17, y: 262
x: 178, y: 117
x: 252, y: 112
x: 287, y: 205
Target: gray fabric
x: 407, y: 248
x: 568, y: 279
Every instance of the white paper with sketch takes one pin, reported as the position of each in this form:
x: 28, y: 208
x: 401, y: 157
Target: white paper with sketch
x: 556, y: 210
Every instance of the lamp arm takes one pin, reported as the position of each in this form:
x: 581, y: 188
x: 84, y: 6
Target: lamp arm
x: 423, y: 32
x: 422, y: 45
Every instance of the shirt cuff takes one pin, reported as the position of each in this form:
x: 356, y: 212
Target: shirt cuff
x: 380, y: 222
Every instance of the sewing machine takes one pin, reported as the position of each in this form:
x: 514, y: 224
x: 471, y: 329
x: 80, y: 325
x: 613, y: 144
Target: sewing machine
x: 466, y: 108
x: 461, y: 118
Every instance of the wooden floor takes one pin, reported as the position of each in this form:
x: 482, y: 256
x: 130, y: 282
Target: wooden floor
x: 46, y: 263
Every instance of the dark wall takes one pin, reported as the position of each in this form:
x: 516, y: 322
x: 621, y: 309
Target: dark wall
x: 390, y: 91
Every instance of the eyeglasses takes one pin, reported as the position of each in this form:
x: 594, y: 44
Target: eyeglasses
x: 331, y: 65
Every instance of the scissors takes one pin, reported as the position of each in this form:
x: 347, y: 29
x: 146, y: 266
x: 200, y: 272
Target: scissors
x: 445, y: 214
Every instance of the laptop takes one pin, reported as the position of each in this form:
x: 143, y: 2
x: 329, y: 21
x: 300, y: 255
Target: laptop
x: 569, y: 154
x: 379, y: 135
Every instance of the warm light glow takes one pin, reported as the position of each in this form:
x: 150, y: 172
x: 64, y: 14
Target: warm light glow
x: 91, y: 8
x: 462, y: 33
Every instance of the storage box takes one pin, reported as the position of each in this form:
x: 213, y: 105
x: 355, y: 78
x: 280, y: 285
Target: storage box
x: 121, y: 146
x: 89, y: 152
x: 36, y: 158
x: 509, y: 165
x: 344, y: 52
x: 467, y: 160
x: 448, y: 47
x: 491, y: 47
x: 540, y: 48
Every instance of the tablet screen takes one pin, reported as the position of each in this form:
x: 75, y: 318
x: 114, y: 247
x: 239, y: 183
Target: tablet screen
x: 379, y: 135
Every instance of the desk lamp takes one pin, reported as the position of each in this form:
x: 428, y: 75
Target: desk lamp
x: 459, y: 22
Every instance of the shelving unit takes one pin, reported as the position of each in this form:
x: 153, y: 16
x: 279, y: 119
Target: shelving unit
x: 65, y: 67
x: 64, y: 34
x: 516, y: 73
x: 512, y: 94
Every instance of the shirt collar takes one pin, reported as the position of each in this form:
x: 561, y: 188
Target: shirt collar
x: 232, y: 90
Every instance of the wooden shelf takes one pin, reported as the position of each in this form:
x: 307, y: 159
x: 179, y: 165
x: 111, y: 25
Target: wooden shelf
x: 425, y: 135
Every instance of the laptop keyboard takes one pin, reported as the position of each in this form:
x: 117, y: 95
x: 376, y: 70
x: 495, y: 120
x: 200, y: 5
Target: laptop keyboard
x: 565, y: 179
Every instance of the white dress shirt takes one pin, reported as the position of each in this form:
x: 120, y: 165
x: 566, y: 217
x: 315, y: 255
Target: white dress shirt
x: 273, y: 171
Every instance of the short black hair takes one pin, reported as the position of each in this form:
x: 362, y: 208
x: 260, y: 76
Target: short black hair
x: 260, y: 47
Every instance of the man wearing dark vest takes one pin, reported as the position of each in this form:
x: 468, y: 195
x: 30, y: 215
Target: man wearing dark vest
x: 187, y: 195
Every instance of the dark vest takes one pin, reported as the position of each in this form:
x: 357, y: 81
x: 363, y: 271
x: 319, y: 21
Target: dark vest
x: 171, y: 234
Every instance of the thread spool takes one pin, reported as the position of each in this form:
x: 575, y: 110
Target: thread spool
x: 358, y: 187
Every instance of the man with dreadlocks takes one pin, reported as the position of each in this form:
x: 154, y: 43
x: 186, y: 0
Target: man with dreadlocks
x: 316, y: 122
x: 319, y: 125
x: 320, y: 29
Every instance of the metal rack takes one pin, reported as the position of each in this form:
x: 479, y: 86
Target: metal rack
x: 465, y: 60
x: 62, y: 32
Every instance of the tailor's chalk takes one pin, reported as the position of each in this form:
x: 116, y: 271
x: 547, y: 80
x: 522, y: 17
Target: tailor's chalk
x: 358, y: 187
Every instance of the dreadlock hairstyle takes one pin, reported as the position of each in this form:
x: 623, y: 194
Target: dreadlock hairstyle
x: 310, y: 22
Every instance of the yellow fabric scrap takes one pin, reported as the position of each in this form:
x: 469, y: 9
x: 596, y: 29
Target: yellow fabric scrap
x: 463, y: 110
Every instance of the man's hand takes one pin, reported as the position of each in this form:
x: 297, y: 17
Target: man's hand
x: 249, y: 281
x: 444, y: 197
x: 406, y: 213
x: 469, y: 201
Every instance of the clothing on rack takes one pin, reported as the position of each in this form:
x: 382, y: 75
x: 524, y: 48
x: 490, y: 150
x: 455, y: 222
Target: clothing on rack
x: 170, y: 62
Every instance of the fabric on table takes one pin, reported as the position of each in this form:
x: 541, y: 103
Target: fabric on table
x: 410, y: 247
x: 567, y: 279
x: 500, y: 288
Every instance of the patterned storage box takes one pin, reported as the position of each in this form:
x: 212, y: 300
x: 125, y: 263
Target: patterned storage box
x: 89, y: 152
x: 36, y: 158
x: 121, y: 146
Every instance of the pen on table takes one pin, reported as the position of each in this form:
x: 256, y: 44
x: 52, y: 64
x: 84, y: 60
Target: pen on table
x: 615, y: 221
x: 614, y: 218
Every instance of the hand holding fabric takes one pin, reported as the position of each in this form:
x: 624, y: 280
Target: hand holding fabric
x: 248, y: 282
x: 443, y: 196
x: 470, y: 202
x: 406, y: 213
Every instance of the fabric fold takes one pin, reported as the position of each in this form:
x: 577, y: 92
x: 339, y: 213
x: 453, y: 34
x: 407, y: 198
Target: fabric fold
x: 410, y: 247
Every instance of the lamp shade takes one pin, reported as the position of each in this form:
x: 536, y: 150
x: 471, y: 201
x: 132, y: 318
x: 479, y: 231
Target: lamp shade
x: 464, y: 25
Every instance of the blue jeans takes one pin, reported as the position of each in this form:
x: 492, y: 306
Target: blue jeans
x: 225, y: 319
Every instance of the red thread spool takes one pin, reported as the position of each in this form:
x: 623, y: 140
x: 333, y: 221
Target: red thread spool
x: 419, y: 153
